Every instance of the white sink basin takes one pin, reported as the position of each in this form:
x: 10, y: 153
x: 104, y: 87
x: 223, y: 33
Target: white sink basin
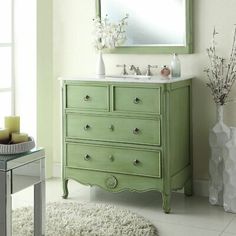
x: 129, y: 76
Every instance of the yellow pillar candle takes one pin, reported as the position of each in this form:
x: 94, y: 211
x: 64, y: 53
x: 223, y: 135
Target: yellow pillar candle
x: 12, y: 123
x: 19, y: 138
x: 4, y: 136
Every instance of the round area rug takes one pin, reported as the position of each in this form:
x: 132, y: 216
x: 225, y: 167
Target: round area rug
x: 74, y: 219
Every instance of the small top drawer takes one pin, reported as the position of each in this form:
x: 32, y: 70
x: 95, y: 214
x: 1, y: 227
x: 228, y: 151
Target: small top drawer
x: 86, y: 97
x: 136, y: 99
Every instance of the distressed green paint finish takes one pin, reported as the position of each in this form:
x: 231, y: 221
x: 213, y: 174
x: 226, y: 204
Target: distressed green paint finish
x: 111, y: 159
x: 109, y: 152
x: 166, y: 197
x: 180, y: 178
x: 188, y: 187
x: 106, y: 128
x: 136, y: 100
x: 181, y: 137
x: 154, y: 49
x: 87, y: 97
x: 125, y: 182
x: 179, y: 128
x: 166, y: 191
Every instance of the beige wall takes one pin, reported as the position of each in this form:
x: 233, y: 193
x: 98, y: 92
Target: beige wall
x: 44, y: 81
x: 74, y: 55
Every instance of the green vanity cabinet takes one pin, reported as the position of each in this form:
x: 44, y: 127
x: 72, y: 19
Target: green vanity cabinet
x: 128, y: 135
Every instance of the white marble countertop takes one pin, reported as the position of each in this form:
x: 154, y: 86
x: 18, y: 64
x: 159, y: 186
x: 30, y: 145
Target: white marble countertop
x: 128, y: 79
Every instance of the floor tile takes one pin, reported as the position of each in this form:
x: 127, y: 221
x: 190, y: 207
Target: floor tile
x: 227, y: 234
x: 232, y: 226
x: 123, y: 198
x: 166, y: 229
x: 189, y: 215
x: 191, y: 211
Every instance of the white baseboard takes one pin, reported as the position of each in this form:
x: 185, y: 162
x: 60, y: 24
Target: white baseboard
x: 200, y: 187
x: 56, y: 172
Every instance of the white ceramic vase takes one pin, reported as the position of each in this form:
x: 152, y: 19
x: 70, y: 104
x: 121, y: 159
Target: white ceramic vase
x: 100, y: 70
x: 218, y: 137
x: 229, y: 174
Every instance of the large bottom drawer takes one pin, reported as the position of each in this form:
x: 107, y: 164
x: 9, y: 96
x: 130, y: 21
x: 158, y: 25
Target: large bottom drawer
x: 114, y: 159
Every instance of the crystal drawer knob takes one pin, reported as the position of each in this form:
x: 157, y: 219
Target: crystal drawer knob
x: 136, y: 162
x: 86, y: 127
x: 111, y: 127
x: 87, y: 157
x: 136, y: 131
x: 136, y: 100
x: 111, y: 158
x: 86, y: 98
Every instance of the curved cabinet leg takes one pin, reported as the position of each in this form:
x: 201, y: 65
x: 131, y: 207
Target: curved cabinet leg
x: 188, y: 188
x: 166, y: 202
x: 65, y: 188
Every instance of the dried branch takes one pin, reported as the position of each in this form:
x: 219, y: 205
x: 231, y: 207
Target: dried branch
x: 220, y: 74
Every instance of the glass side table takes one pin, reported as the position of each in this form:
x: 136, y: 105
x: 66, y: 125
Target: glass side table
x: 16, y: 173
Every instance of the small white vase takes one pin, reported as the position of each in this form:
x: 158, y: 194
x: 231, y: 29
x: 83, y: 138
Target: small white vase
x: 100, y: 70
x: 218, y: 137
x: 229, y: 174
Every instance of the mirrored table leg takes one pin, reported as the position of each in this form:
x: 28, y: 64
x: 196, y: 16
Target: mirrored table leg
x: 5, y: 204
x: 39, y: 204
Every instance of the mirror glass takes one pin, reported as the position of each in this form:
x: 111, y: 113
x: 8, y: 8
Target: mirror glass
x: 151, y: 21
x: 162, y: 24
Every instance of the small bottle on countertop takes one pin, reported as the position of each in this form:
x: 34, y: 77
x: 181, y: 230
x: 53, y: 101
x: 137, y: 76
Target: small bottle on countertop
x: 175, y: 66
x: 165, y: 71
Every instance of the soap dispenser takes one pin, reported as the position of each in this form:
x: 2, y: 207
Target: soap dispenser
x: 175, y: 66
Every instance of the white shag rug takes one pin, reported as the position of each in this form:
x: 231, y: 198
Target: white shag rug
x: 75, y: 219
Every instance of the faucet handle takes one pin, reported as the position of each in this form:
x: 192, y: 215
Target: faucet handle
x: 149, y: 73
x: 138, y: 72
x: 124, y: 71
x: 136, y: 69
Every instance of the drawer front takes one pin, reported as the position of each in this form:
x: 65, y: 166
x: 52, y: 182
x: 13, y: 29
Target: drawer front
x: 125, y: 160
x: 138, y: 100
x: 141, y: 131
x: 87, y: 97
x: 26, y: 175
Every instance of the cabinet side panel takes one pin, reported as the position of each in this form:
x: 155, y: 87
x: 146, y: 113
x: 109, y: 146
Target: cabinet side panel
x: 179, y: 129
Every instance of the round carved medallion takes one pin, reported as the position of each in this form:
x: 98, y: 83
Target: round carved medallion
x: 111, y: 182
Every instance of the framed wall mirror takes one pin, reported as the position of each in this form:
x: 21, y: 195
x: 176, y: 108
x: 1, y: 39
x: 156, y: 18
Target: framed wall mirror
x: 154, y: 26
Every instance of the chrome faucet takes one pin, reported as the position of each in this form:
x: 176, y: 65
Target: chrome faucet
x: 149, y: 73
x: 135, y: 69
x: 124, y: 72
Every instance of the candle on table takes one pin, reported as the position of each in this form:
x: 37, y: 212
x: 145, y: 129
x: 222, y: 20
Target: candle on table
x: 4, y: 136
x: 12, y: 123
x: 19, y: 137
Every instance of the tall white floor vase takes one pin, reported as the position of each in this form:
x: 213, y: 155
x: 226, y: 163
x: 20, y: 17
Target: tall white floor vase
x: 229, y: 174
x: 218, y: 137
x: 100, y: 70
